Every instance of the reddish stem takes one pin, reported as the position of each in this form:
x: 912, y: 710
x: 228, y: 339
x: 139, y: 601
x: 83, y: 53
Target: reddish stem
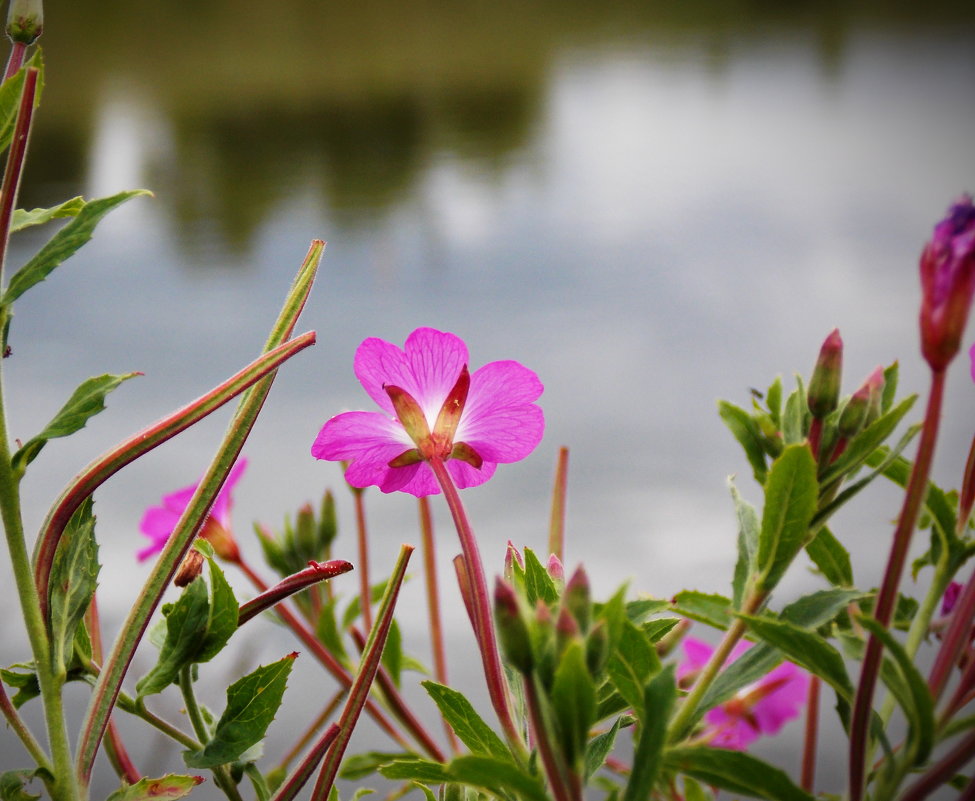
x: 18, y: 53
x: 14, y: 169
x: 808, y: 777
x: 301, y: 774
x: 556, y: 533
x: 480, y: 606
x: 554, y: 770
x: 942, y: 771
x: 433, y: 607
x: 887, y: 597
x: 365, y: 592
x: 955, y: 639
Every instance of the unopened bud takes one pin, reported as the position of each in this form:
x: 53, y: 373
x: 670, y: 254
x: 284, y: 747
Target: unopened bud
x: 222, y: 540
x: 858, y: 408
x: 566, y: 629
x: 555, y: 570
x: 824, y: 387
x: 25, y: 21
x: 327, y: 523
x: 597, y: 649
x: 512, y: 630
x: 189, y: 569
x: 947, y: 284
x: 512, y: 556
x: 304, y: 538
x: 577, y: 599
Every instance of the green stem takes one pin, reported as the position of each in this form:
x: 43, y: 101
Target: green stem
x: 556, y: 529
x: 887, y: 597
x: 20, y: 729
x: 480, y: 608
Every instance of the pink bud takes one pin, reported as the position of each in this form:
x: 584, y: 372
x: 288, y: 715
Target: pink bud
x: 824, y: 385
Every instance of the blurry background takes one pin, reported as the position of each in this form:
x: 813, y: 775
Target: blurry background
x: 651, y: 204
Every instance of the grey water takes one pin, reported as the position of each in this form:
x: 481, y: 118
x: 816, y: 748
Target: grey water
x: 653, y: 207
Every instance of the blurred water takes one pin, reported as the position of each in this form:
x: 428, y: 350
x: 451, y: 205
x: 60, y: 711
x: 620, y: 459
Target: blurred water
x: 650, y: 212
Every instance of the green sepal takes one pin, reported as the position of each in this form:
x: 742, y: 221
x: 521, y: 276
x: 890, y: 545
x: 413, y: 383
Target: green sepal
x: 735, y: 771
x: 658, y: 701
x: 538, y: 583
x: 469, y: 727
x: 74, y: 578
x: 63, y: 244
x: 631, y: 664
x: 85, y: 402
x: 791, y: 494
x: 252, y: 703
x: 25, y: 219
x: 168, y: 787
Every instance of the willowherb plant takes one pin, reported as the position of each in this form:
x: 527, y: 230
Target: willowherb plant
x: 569, y: 677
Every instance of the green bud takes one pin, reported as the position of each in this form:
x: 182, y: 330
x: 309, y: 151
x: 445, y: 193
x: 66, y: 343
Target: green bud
x: 327, y: 524
x: 577, y: 599
x: 823, y: 394
x: 305, y: 544
x: 25, y: 21
x: 863, y: 404
x: 597, y: 649
x: 512, y: 629
x: 566, y: 630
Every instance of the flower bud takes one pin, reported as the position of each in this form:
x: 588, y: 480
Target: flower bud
x: 512, y: 557
x: 189, y: 569
x: 512, y: 629
x: 947, y: 284
x: 597, y: 649
x: 305, y: 533
x: 824, y: 387
x: 566, y: 629
x: 25, y: 21
x: 577, y: 600
x: 858, y: 408
x: 222, y: 540
x: 327, y: 523
x: 555, y: 570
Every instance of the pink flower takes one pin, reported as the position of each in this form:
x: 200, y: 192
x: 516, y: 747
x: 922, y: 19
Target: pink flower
x: 947, y: 283
x: 432, y: 408
x: 761, y: 708
x: 158, y: 522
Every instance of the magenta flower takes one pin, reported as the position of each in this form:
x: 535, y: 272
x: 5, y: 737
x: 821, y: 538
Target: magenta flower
x: 947, y: 283
x: 432, y: 408
x: 761, y: 708
x: 158, y: 522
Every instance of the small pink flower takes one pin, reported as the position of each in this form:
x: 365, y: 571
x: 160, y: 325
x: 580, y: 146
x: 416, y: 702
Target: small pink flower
x: 158, y: 522
x: 761, y: 708
x: 432, y: 408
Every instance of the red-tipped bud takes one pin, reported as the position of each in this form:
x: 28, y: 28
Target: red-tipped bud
x: 555, y: 569
x: 577, y: 598
x: 950, y: 598
x: 222, y: 540
x: 823, y: 394
x: 512, y: 629
x: 947, y: 284
x: 25, y: 21
x: 861, y: 405
x: 511, y: 556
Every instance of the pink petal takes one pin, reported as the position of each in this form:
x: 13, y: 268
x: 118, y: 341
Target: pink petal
x: 785, y: 703
x: 697, y: 653
x: 361, y: 435
x: 465, y: 475
x: 730, y: 731
x: 971, y: 355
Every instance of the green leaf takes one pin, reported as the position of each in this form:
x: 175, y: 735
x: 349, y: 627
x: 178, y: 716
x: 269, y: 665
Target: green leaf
x: 168, y: 787
x: 25, y: 219
x: 735, y: 771
x: 868, y: 440
x: 222, y: 616
x: 327, y: 630
x: 713, y: 609
x: 915, y: 699
x: 74, y: 577
x: 538, y: 583
x: 10, y: 92
x: 600, y: 747
x: 831, y: 558
x: 416, y: 769
x: 796, y: 411
x: 748, y: 528
x: 891, y: 375
x: 64, y: 244
x: 773, y: 401
x: 820, y: 607
x: 791, y: 494
x: 12, y: 786
x: 500, y: 777
x: 694, y: 791
x: 358, y: 766
x: 631, y: 663
x: 658, y: 701
x: 86, y: 401
x: 466, y: 723
x: 744, y: 428
x: 23, y: 676
x: 252, y: 703
x: 186, y: 622
x: 574, y: 699
x: 392, y: 657
x: 656, y: 630
x: 428, y: 794
x: 354, y: 609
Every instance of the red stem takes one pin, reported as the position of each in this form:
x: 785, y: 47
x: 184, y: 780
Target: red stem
x: 15, y: 61
x: 955, y: 639
x: 364, y: 589
x: 433, y: 607
x: 887, y: 597
x: 812, y: 735
x: 556, y: 532
x: 481, y: 609
x: 942, y: 771
x: 15, y: 160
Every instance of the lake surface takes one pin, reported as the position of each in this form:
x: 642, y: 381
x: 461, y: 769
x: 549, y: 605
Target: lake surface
x: 651, y: 207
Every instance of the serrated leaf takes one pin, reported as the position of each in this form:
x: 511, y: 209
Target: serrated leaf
x: 735, y: 771
x: 12, y: 786
x: 222, y: 616
x: 710, y: 608
x: 574, y: 699
x: 252, y: 703
x: 23, y: 676
x: 656, y: 630
x: 791, y: 494
x: 186, y: 622
x: 25, y: 219
x: 538, y: 583
x: 868, y: 440
x: 497, y: 776
x: 658, y: 701
x: 64, y: 244
x: 10, y: 93
x: 600, y: 747
x: 466, y: 723
x: 168, y: 787
x: 746, y: 431
x: 831, y: 558
x: 85, y: 402
x: 748, y: 528
x: 74, y: 578
x: 631, y: 663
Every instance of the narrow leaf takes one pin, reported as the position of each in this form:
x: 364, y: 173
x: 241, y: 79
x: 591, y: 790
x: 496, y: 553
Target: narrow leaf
x: 790, y: 502
x: 416, y: 769
x: 86, y: 401
x: 252, y: 703
x: 64, y: 244
x: 600, y: 747
x: 186, y: 622
x: 658, y: 701
x: 466, y: 723
x: 745, y: 430
x: 831, y: 558
x: 574, y: 700
x: 794, y: 421
x: 713, y: 609
x: 497, y: 776
x: 630, y: 665
x: 748, y: 528
x: 221, y: 617
x: 10, y: 92
x: 735, y: 771
x: 538, y: 583
x: 25, y: 219
x: 168, y: 787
